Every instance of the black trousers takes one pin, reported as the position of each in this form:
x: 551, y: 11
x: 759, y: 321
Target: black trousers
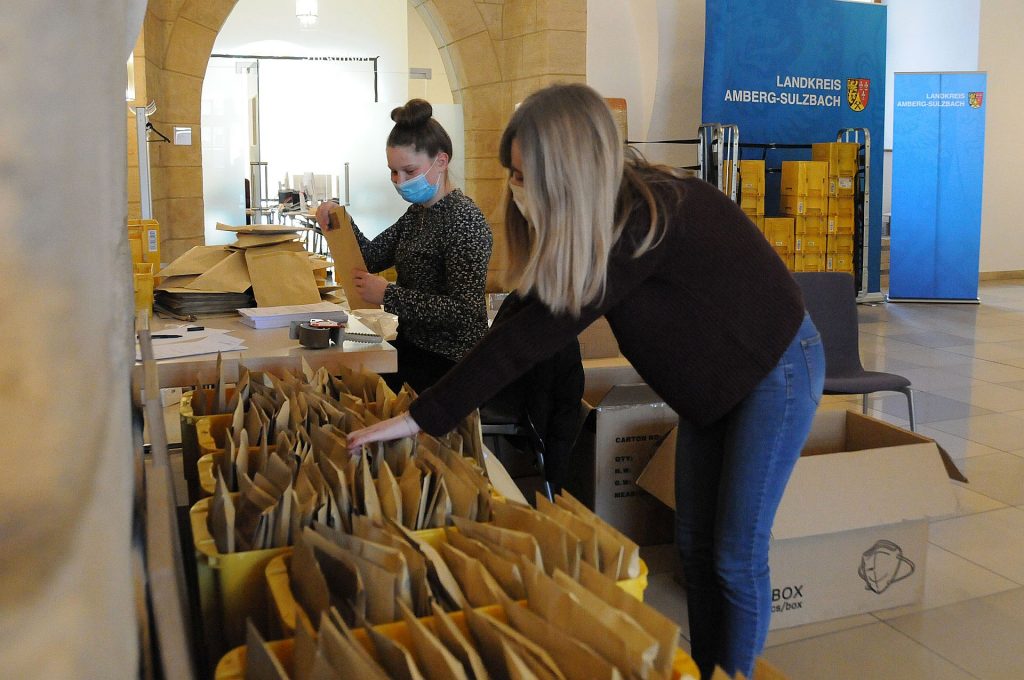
x: 419, y: 367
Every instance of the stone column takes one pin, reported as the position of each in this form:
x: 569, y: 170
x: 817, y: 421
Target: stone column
x: 67, y: 606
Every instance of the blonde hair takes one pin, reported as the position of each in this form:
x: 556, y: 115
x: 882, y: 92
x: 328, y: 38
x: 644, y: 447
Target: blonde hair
x: 581, y: 192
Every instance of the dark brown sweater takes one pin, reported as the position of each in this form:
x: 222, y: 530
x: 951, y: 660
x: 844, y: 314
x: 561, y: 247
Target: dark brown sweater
x: 703, y: 317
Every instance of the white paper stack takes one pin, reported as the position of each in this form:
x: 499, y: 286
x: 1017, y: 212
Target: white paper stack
x: 278, y: 317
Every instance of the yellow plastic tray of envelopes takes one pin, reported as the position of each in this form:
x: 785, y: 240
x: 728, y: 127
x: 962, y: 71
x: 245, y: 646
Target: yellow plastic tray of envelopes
x: 232, y: 665
x: 232, y: 586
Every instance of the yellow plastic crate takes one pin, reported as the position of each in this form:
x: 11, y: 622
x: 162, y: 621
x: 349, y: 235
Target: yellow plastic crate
x: 751, y: 177
x: 758, y: 221
x: 780, y: 232
x: 810, y: 224
x: 808, y: 244
x: 841, y: 186
x: 802, y: 206
x: 190, y: 424
x: 232, y: 587
x: 840, y: 244
x: 143, y: 286
x: 284, y: 610
x: 840, y: 156
x: 809, y: 263
x: 839, y: 262
x: 149, y: 231
x: 752, y: 204
x: 804, y: 178
x: 840, y: 225
x: 841, y: 206
x: 232, y: 665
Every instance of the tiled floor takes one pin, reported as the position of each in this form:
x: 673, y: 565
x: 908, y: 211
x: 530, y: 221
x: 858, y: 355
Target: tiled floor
x: 967, y: 364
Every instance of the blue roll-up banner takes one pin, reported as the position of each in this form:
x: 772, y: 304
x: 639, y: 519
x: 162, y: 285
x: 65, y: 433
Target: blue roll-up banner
x: 797, y: 72
x: 938, y: 155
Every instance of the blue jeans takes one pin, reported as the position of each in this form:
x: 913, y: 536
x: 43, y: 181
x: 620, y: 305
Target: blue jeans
x: 729, y: 480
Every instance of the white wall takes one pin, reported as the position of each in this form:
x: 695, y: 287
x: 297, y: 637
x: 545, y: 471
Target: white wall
x: 1001, y: 54
x: 67, y: 606
x: 423, y: 53
x: 651, y: 53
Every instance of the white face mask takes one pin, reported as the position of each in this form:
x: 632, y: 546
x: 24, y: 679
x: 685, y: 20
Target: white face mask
x: 519, y: 198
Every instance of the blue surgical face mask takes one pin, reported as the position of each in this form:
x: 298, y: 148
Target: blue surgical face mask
x: 418, y: 189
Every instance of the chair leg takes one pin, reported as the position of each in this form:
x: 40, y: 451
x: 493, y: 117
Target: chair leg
x: 909, y: 393
x: 543, y: 473
x: 864, y: 404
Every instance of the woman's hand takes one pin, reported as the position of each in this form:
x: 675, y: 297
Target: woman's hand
x: 385, y: 430
x: 370, y: 286
x: 323, y: 214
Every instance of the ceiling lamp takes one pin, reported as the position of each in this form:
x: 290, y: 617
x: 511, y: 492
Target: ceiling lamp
x: 306, y: 11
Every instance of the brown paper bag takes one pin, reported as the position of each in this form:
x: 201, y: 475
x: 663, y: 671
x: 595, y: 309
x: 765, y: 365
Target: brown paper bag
x: 517, y: 542
x: 347, y: 657
x: 442, y: 583
x: 281, y: 278
x: 490, y: 634
x: 389, y: 493
x: 433, y: 657
x: 606, y: 535
x: 584, y: 532
x: 260, y: 662
x: 457, y: 643
x: 341, y: 241
x: 480, y: 588
x: 504, y: 567
x: 559, y: 547
x: 575, y: 659
x: 657, y: 625
x: 394, y: 657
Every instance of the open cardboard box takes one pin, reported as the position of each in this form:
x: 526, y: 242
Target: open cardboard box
x: 619, y: 435
x: 851, y: 532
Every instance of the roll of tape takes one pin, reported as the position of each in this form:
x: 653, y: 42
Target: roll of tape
x: 314, y: 338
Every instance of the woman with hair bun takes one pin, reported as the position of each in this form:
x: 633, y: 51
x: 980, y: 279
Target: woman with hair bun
x: 440, y: 248
x: 700, y: 305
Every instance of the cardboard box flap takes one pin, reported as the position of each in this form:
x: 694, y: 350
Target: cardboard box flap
x: 856, y: 489
x: 659, y: 477
x: 623, y: 396
x: 836, y: 430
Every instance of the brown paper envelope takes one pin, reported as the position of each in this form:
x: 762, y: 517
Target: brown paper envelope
x: 230, y: 275
x: 347, y: 657
x: 638, y: 639
x: 490, y: 633
x: 384, y: 556
x: 349, y: 580
x: 303, y: 652
x: 659, y: 626
x: 504, y: 570
x: 410, y: 484
x: 367, y: 491
x: 516, y: 666
x: 389, y: 494
x: 283, y: 520
x: 414, y: 560
x: 176, y: 283
x: 560, y: 609
x: 260, y: 662
x: 457, y: 643
x: 440, y: 507
x: 585, y: 533
x: 517, y: 542
x: 575, y: 659
x: 442, y: 582
x: 307, y: 581
x: 433, y: 657
x: 221, y: 520
x: 394, y: 657
x: 281, y: 278
x: 630, y: 550
x: 196, y: 260
x: 334, y: 476
x: 244, y: 241
x: 341, y: 241
x: 480, y: 588
x: 380, y: 584
x: 558, y: 546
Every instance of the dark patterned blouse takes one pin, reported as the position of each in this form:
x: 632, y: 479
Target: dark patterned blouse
x: 441, y: 255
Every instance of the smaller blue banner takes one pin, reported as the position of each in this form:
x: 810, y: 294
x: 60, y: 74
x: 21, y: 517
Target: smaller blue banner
x: 938, y: 156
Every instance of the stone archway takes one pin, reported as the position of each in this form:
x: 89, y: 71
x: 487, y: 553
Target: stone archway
x: 496, y: 52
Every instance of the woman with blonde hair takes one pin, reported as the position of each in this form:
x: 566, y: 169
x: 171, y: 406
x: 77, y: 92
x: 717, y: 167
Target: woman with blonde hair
x: 701, y: 306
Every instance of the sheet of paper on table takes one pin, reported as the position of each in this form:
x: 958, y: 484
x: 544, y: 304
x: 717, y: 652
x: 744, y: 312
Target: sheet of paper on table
x: 189, y: 343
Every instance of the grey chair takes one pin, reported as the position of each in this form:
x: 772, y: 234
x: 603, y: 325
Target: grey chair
x: 830, y: 298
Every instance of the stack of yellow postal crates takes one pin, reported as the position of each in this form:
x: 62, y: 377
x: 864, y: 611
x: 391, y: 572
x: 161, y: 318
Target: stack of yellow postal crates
x: 841, y: 158
x: 144, y: 242
x: 751, y: 189
x: 804, y: 197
